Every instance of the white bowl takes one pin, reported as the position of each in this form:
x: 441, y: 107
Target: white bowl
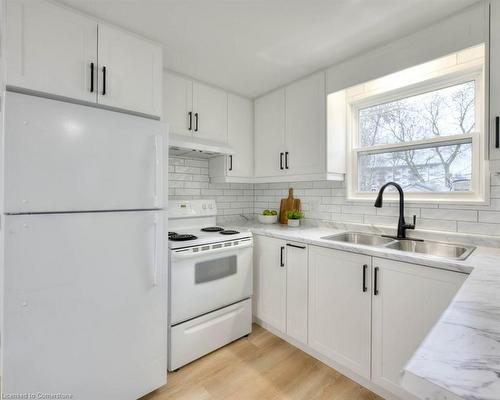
x: 268, y: 219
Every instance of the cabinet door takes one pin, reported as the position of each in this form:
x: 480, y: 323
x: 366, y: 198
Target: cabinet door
x: 495, y: 85
x: 270, y: 281
x: 340, y: 307
x: 305, y: 136
x: 130, y: 72
x: 210, y: 112
x: 178, y: 103
x: 269, y: 134
x: 50, y: 49
x: 296, y: 291
x: 240, y: 136
x: 409, y: 301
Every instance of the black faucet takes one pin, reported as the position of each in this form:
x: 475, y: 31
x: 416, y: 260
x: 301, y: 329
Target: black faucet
x: 402, y: 225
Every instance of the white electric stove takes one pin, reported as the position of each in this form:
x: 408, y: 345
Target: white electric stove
x: 210, y: 276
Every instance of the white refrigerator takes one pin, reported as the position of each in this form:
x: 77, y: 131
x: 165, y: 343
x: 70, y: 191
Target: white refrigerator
x: 83, y: 270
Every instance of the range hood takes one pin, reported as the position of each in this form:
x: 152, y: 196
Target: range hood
x: 190, y: 146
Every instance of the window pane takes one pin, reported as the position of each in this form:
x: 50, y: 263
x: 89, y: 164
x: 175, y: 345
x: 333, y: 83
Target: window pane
x: 435, y: 169
x: 444, y: 112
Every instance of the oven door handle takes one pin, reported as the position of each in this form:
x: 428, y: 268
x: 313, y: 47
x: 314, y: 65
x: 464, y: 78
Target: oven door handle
x: 188, y: 253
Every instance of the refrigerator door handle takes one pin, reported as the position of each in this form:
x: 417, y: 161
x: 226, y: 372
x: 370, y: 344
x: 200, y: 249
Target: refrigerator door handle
x: 156, y: 258
x: 158, y: 170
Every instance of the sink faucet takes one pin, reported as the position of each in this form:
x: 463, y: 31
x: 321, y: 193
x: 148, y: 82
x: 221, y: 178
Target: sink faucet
x: 402, y: 225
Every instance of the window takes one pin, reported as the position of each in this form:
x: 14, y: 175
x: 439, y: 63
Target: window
x: 426, y: 135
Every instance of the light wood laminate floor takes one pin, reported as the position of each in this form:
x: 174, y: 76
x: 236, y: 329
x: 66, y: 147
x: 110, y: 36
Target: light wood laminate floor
x: 259, y: 367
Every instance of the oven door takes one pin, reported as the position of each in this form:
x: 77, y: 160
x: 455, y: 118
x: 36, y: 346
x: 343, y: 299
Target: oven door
x: 205, y: 278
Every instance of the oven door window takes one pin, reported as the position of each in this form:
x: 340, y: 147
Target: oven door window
x: 213, y: 270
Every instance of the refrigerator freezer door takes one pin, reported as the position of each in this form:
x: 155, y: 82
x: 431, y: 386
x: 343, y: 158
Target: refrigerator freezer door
x: 84, y: 304
x: 68, y: 157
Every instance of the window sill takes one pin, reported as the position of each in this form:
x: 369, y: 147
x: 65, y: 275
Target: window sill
x: 444, y: 198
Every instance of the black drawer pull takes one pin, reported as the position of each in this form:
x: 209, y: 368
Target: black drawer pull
x: 230, y: 163
x: 281, y: 160
x: 497, y: 132
x: 297, y: 247
x: 190, y: 115
x: 375, y: 281
x: 196, y: 122
x: 103, y: 81
x: 92, y: 77
x: 281, y: 256
x: 286, y: 159
x: 365, y: 268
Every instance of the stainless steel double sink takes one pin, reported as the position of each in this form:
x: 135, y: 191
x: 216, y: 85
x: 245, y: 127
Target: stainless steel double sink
x: 431, y: 248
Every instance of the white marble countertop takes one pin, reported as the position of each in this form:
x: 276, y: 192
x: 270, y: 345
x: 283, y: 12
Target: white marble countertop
x: 460, y: 357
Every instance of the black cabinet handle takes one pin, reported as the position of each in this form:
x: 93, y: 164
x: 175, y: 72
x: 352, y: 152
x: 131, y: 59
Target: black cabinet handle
x: 103, y: 81
x: 190, y: 115
x: 281, y: 256
x: 297, y: 247
x: 196, y: 122
x: 286, y: 159
x: 365, y: 268
x: 230, y: 163
x: 281, y: 160
x: 375, y: 281
x: 92, y: 77
x: 497, y: 132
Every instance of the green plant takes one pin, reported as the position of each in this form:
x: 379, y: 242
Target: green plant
x: 269, y: 212
x: 294, y: 214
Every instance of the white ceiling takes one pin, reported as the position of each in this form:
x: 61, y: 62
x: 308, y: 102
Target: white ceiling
x: 253, y: 46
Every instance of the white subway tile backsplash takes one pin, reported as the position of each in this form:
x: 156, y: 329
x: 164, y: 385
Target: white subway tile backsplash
x: 326, y: 201
x: 455, y: 215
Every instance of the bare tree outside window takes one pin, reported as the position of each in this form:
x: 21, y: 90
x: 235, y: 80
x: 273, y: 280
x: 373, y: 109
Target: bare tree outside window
x: 432, y: 167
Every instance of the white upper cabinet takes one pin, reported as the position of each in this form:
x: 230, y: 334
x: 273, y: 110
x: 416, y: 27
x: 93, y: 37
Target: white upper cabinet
x: 130, y: 71
x: 193, y: 108
x: 50, y: 49
x: 209, y: 112
x: 407, y: 301
x: 178, y: 103
x: 306, y: 126
x: 240, y: 136
x: 494, y: 69
x: 270, y: 281
x: 270, y: 134
x: 238, y: 166
x: 340, y: 307
x: 54, y: 50
x: 290, y: 132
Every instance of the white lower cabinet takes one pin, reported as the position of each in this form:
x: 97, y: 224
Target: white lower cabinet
x: 296, y: 291
x: 364, y: 313
x: 407, y: 301
x: 340, y: 307
x: 270, y: 281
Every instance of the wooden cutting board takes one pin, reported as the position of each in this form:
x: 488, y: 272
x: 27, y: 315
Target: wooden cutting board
x: 288, y: 204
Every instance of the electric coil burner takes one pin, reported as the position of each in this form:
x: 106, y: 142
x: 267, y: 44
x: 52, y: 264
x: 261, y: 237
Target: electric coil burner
x: 181, y: 238
x: 212, y: 229
x: 228, y: 232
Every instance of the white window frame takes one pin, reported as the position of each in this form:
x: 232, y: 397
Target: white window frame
x: 480, y: 176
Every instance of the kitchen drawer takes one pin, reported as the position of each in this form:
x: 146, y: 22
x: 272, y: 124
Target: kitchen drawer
x: 197, y: 337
